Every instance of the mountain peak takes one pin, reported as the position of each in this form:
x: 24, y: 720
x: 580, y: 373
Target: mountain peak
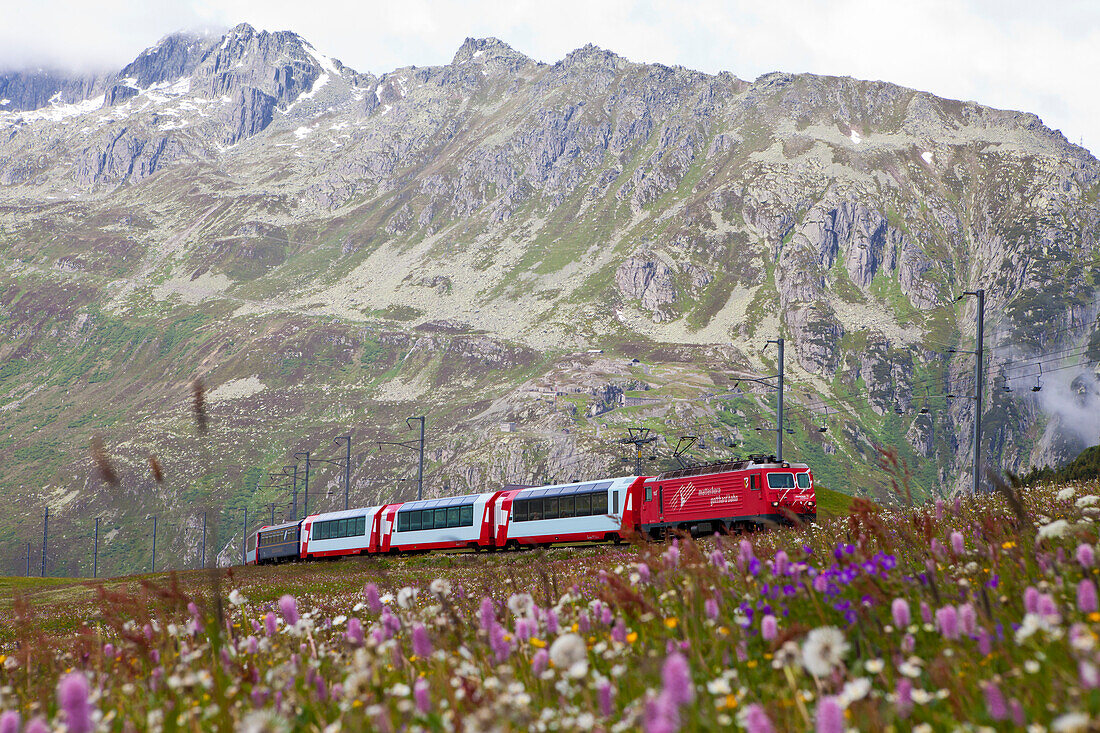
x: 486, y: 50
x: 592, y: 55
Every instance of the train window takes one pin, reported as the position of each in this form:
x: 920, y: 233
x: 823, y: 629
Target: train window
x: 440, y: 519
x: 361, y: 526
x: 803, y: 480
x: 550, y: 508
x: 599, y: 503
x: 403, y: 520
x: 414, y: 521
x: 519, y: 511
x: 566, y: 507
x: 661, y: 498
x: 752, y: 482
x: 780, y: 480
x: 534, y: 514
x: 614, y: 502
x: 584, y: 505
x: 467, y: 519
x: 454, y: 514
x: 649, y: 493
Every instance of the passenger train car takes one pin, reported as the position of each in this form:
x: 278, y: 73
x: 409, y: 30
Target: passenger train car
x: 732, y: 496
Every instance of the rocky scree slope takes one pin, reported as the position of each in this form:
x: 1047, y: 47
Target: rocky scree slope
x: 338, y: 249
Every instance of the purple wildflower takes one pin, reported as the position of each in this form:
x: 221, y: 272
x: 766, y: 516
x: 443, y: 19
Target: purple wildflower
x: 676, y: 679
x: 940, y: 507
x: 985, y: 642
x: 995, y: 701
x: 606, y: 694
x: 925, y: 612
x: 259, y: 697
x: 719, y: 560
x: 661, y: 716
x: 271, y: 624
x: 672, y: 554
x: 958, y: 544
x: 289, y: 608
x: 422, y: 645
x: 1047, y: 607
x: 500, y: 646
x: 421, y: 696
x: 539, y: 661
x: 72, y: 696
x: 1018, y: 717
x: 756, y: 720
x: 904, y: 696
x: 370, y: 592
x: 643, y: 572
x: 390, y: 623
x: 9, y: 722
x: 1086, y: 596
x: 1031, y: 600
x: 829, y: 717
x: 147, y: 629
x: 253, y: 644
x: 769, y: 629
x: 937, y: 548
x: 37, y: 725
x: 947, y: 619
x: 487, y: 614
x: 1085, y: 555
x: 781, y: 563
x: 552, y: 621
x: 1088, y: 674
x: 583, y: 623
x: 355, y: 631
x: 968, y: 619
x: 711, y: 607
x: 900, y: 609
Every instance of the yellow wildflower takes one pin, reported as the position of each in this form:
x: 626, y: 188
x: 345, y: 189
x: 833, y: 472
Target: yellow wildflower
x: 751, y: 664
x: 632, y: 637
x: 671, y: 622
x: 730, y: 702
x: 1008, y: 545
x: 539, y: 643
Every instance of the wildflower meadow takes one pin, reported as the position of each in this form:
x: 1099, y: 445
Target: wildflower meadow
x: 977, y: 614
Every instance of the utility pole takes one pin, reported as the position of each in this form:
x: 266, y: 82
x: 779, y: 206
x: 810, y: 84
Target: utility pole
x: 294, y: 490
x: 347, y: 465
x: 154, y: 565
x: 45, y: 532
x: 244, y: 539
x: 779, y: 411
x: 305, y: 494
x: 413, y: 445
x: 95, y: 552
x: 420, y: 466
x: 272, y: 515
x: 28, y: 559
x: 204, y: 539
x: 638, y: 437
x: 979, y: 386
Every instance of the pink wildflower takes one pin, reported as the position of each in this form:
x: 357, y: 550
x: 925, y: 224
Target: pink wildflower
x: 1085, y: 555
x: 900, y: 609
x: 995, y: 701
x: 985, y: 642
x: 539, y: 661
x: 289, y: 608
x: 390, y: 623
x: 355, y: 631
x: 1047, y: 607
x: 421, y: 696
x: 253, y: 644
x: 904, y: 697
x: 676, y: 679
x: 958, y: 544
x: 1031, y: 600
x: 968, y: 619
x: 606, y: 617
x: 271, y: 624
x: 661, y: 716
x: 710, y: 606
x: 487, y: 614
x: 1088, y: 674
x: 947, y: 618
x: 552, y: 621
x: 9, y: 722
x: 1086, y: 596
x: 1018, y: 717
x: 502, y: 649
x: 925, y: 612
x: 781, y: 563
x: 370, y: 593
x: 937, y: 548
x: 940, y: 507
x: 719, y: 560
x: 643, y: 572
x: 422, y: 645
x: 756, y: 720
x: 606, y: 694
x: 769, y: 629
x: 72, y: 696
x: 829, y: 717
x: 37, y: 725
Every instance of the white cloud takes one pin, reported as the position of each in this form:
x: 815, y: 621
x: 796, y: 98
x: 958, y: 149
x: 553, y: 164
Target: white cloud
x: 1037, y: 57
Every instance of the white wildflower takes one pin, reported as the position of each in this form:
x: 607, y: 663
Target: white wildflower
x: 856, y: 689
x: 406, y: 596
x: 874, y: 666
x: 521, y: 605
x: 1031, y: 666
x: 400, y: 690
x: 823, y: 650
x: 720, y: 686
x: 1087, y: 500
x: 440, y: 587
x: 1054, y: 530
x: 1066, y: 494
x: 569, y: 653
x: 264, y: 721
x: 339, y: 620
x: 1071, y: 723
x: 236, y: 598
x: 922, y: 697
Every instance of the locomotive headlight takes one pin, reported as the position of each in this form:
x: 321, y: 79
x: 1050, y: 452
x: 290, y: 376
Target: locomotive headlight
x: 775, y: 503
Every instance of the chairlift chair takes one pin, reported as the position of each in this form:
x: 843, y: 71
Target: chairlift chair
x: 1038, y: 384
x: 824, y: 427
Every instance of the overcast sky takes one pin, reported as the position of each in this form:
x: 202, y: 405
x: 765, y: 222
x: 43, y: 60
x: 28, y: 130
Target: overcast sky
x: 1042, y: 57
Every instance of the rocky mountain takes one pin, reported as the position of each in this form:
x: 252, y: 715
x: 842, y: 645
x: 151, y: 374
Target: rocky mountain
x: 535, y: 256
